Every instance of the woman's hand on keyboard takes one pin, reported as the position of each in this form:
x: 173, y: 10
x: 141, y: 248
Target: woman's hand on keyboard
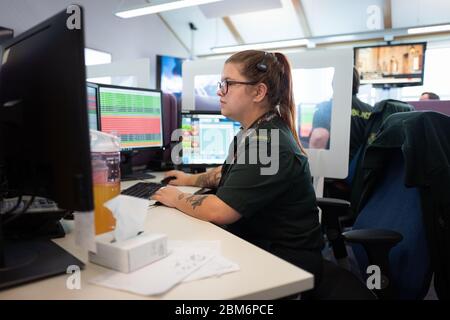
x: 168, y: 196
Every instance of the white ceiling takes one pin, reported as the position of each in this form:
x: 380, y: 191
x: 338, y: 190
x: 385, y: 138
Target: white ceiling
x: 406, y: 13
x: 234, y: 7
x: 142, y: 37
x: 323, y: 17
x: 269, y: 25
x: 330, y: 17
x: 255, y: 21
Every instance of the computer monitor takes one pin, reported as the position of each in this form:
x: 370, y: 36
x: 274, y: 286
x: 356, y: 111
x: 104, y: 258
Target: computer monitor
x: 391, y: 65
x: 44, y: 136
x: 92, y: 105
x: 206, y: 138
x: 135, y: 115
x: 169, y: 75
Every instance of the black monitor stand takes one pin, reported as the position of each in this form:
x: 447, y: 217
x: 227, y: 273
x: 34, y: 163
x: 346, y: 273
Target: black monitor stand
x: 126, y: 168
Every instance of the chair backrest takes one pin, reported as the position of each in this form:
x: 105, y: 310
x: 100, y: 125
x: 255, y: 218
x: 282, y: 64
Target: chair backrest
x: 352, y: 166
x: 381, y: 111
x: 395, y: 207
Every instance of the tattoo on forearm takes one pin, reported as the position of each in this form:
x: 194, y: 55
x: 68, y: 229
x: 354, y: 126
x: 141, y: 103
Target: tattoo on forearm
x: 210, y: 179
x: 196, y: 201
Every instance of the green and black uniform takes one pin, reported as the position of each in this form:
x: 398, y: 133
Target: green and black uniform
x: 360, y: 115
x: 279, y: 212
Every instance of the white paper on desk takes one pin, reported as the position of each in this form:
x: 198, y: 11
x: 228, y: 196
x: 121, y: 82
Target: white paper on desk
x: 158, y: 277
x: 216, y: 267
x: 130, y: 214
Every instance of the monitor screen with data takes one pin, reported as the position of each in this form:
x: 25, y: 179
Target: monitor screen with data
x: 207, y: 138
x: 134, y: 114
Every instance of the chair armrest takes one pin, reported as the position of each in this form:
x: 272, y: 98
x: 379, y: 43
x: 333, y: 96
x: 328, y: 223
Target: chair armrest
x: 373, y: 237
x: 377, y: 243
x: 333, y: 206
x: 332, y: 210
x: 336, y: 209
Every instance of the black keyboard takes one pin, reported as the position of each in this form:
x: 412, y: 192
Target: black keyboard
x: 137, y: 176
x: 142, y: 190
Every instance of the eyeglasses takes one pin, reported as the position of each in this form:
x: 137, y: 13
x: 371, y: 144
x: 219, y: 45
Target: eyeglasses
x: 224, y: 84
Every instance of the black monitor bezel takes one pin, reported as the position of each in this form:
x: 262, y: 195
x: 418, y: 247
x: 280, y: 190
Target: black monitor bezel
x: 84, y: 183
x: 66, y: 166
x: 396, y: 85
x: 100, y: 85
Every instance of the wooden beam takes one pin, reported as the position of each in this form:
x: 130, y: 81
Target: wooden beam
x: 387, y: 14
x: 234, y: 31
x: 301, y: 15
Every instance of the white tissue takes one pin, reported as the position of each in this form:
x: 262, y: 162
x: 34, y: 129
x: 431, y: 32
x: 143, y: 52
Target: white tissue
x: 130, y: 214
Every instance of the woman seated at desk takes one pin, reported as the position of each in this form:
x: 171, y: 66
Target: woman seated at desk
x: 275, y: 211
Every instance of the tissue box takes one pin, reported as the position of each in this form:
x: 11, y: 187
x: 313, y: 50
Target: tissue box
x: 129, y: 255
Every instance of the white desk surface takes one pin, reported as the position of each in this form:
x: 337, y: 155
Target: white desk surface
x: 261, y: 275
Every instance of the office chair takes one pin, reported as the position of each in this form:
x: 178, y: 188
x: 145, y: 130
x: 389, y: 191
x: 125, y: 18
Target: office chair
x: 349, y: 188
x: 403, y: 257
x: 338, y: 214
x: 407, y: 178
x: 381, y: 111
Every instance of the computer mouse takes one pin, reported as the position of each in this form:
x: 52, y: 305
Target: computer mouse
x: 167, y: 179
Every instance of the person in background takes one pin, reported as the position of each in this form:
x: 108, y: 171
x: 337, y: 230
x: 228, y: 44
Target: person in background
x: 337, y: 188
x: 429, y: 96
x: 320, y: 135
x: 360, y: 116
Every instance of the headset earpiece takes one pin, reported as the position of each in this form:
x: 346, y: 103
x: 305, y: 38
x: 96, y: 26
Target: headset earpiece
x: 262, y: 66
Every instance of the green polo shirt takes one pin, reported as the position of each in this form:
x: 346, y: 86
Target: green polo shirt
x: 278, y: 209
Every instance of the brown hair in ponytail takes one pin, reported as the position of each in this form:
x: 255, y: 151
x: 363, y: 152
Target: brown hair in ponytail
x: 276, y: 76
